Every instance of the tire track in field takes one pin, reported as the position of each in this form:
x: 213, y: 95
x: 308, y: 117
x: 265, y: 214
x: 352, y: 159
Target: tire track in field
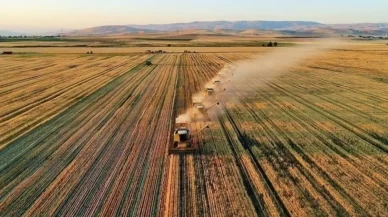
x: 280, y: 205
x: 60, y: 93
x: 7, y: 153
x: 338, y: 207
x: 361, y: 133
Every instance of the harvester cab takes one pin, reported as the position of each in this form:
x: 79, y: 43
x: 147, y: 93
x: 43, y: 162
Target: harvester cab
x: 209, y: 91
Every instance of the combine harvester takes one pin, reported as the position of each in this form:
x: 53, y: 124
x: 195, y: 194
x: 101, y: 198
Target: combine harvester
x: 200, y: 111
x: 183, y: 140
x: 210, y: 92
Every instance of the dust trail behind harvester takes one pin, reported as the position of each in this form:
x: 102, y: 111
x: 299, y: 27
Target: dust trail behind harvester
x: 276, y: 62
x: 242, y: 76
x: 263, y: 67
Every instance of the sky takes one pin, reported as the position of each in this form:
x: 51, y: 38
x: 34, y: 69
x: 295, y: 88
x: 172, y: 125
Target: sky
x: 76, y: 14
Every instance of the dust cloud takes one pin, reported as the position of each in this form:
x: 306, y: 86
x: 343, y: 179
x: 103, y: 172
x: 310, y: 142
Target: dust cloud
x: 243, y: 77
x: 275, y: 63
x: 184, y: 118
x: 246, y: 76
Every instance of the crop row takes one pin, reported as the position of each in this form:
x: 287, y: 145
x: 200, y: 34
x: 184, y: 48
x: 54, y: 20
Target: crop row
x: 32, y: 94
x: 313, y: 142
x: 301, y: 144
x: 105, y: 154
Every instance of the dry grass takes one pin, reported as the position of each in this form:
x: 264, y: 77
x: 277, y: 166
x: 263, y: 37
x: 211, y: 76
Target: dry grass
x: 309, y: 142
x: 35, y: 92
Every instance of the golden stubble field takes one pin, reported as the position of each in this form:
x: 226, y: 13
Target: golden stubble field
x: 85, y: 135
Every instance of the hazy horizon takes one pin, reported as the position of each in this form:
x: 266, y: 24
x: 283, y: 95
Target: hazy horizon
x: 72, y: 14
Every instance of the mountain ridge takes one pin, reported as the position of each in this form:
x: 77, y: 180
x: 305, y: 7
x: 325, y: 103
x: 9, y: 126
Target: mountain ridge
x: 110, y: 30
x: 280, y: 27
x: 238, y: 25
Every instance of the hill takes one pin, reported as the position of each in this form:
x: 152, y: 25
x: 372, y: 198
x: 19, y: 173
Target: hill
x: 110, y: 30
x: 237, y: 25
x: 377, y: 29
x: 300, y: 28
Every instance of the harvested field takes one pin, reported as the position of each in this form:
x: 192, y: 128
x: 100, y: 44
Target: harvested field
x: 299, y: 145
x: 89, y: 135
x: 33, y: 92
